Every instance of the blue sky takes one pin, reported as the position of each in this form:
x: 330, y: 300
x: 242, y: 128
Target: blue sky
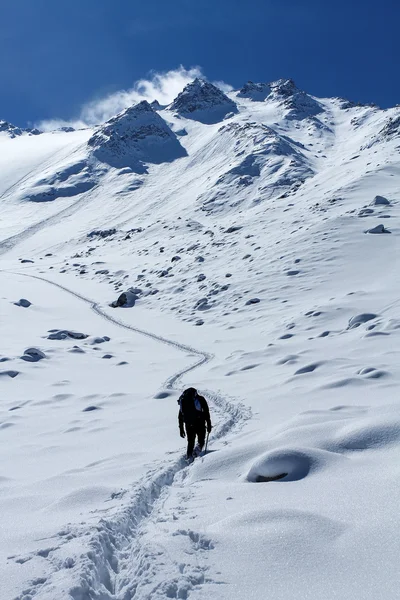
x: 55, y: 56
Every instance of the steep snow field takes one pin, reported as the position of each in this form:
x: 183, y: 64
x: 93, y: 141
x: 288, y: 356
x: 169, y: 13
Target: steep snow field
x: 241, y: 224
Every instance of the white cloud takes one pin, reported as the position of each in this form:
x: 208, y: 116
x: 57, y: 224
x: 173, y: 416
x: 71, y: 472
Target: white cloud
x: 163, y: 87
x: 222, y: 85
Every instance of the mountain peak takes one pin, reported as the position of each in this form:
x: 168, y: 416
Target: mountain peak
x: 13, y: 131
x: 202, y: 101
x: 136, y: 135
x: 257, y: 92
x: 284, y: 87
x: 298, y: 103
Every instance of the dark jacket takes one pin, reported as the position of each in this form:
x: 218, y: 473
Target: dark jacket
x: 203, y: 415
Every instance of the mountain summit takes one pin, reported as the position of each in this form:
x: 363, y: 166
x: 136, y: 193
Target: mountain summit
x: 202, y: 101
x: 298, y: 103
x: 135, y: 136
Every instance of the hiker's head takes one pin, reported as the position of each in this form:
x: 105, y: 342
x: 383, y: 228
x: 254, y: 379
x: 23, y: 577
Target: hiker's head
x: 190, y: 393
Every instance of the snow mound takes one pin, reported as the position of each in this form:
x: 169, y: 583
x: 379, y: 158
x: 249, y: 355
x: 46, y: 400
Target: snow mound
x: 287, y: 464
x: 202, y: 101
x: 368, y: 434
x: 360, y: 319
x: 136, y: 136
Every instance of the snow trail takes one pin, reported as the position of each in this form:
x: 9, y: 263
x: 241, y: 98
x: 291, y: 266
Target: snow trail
x: 104, y: 570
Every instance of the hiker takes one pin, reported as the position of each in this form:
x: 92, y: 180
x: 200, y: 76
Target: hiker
x: 195, y: 415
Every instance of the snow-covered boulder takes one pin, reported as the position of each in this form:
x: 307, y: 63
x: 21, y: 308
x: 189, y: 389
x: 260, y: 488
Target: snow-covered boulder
x: 136, y: 136
x: 126, y: 299
x: 202, y: 101
x: 361, y: 319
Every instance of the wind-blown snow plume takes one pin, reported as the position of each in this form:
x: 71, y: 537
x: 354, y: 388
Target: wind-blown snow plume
x: 163, y: 87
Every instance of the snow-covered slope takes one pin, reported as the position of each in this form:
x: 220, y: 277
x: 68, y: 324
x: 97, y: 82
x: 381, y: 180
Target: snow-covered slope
x: 258, y: 232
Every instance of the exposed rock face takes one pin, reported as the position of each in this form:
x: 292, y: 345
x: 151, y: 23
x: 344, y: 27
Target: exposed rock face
x: 136, y: 136
x: 299, y: 104
x: 204, y: 102
x: 257, y: 92
x: 392, y: 128
x: 12, y: 131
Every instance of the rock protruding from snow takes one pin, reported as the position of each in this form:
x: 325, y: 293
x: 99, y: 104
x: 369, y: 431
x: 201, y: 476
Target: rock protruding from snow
x: 11, y: 131
x: 391, y: 129
x: 202, y: 101
x: 126, y: 299
x: 380, y: 201
x: 299, y: 104
x: 257, y: 92
x: 378, y: 229
x: 63, y: 334
x: 23, y: 302
x: 33, y: 355
x: 136, y: 136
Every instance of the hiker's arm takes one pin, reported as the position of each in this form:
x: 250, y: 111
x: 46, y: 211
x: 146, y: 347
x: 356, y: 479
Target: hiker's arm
x: 206, y: 411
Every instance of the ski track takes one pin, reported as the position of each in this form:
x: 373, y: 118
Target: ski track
x: 12, y: 241
x: 116, y: 565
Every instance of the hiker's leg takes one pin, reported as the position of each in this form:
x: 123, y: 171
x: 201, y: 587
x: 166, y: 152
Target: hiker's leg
x: 191, y: 437
x: 201, y: 434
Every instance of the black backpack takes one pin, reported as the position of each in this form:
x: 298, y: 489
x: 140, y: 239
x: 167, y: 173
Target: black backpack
x: 190, y: 406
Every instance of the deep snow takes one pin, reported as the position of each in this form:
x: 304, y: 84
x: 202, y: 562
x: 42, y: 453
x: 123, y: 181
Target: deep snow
x: 246, y: 237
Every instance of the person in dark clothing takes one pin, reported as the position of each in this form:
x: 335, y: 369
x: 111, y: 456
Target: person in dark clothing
x: 194, y: 416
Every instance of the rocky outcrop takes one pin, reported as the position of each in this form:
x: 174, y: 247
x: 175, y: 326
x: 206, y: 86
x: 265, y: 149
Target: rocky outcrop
x: 202, y: 101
